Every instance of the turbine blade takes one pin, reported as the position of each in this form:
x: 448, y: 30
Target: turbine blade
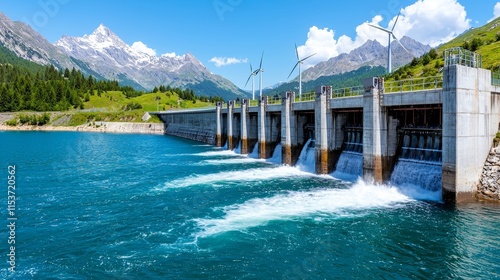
x: 307, y: 57
x: 293, y: 69
x: 396, y: 21
x: 251, y: 70
x: 260, y: 67
x: 297, y: 52
x: 402, y: 45
x: 248, y: 79
x: 378, y: 27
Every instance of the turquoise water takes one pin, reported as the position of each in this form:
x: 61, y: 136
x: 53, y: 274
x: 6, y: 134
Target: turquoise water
x: 110, y: 206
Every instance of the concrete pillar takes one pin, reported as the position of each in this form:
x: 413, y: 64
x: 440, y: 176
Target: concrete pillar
x: 230, y: 115
x: 218, y: 135
x: 339, y: 120
x: 375, y: 160
x: 289, y: 147
x: 244, y: 126
x: 323, y: 130
x: 263, y: 127
x: 470, y: 121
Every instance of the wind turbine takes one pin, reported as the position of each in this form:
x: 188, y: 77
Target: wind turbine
x: 260, y: 70
x: 299, y: 62
x: 391, y: 34
x: 252, y: 75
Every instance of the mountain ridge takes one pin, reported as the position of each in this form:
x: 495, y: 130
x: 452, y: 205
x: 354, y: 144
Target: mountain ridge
x: 371, y: 53
x: 107, y: 54
x: 184, y: 71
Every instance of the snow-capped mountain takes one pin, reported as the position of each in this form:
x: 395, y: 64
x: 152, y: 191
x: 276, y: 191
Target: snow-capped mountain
x: 105, y: 56
x: 26, y: 43
x: 372, y: 53
x: 104, y: 52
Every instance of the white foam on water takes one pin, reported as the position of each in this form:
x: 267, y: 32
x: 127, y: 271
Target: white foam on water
x: 256, y: 174
x: 296, y: 205
x: 177, y: 155
x: 230, y: 161
x: 418, y: 193
x: 216, y: 153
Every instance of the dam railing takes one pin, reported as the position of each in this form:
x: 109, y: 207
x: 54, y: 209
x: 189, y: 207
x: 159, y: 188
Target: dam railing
x: 347, y: 91
x: 461, y: 56
x: 416, y: 84
x: 398, y: 86
x: 495, y: 78
x: 306, y: 97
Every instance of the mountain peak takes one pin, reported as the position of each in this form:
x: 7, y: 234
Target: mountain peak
x: 102, y: 30
x: 103, y: 34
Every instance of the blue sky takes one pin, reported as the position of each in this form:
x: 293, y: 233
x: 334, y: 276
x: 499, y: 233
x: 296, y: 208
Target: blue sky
x: 239, y: 31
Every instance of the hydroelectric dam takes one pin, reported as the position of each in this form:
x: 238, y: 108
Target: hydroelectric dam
x: 435, y: 132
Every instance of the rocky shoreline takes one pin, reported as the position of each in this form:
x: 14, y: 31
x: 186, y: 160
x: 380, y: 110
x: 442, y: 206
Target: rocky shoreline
x: 106, y: 127
x: 489, y: 186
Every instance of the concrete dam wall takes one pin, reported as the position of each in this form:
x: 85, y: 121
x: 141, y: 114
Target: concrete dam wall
x: 197, y: 125
x: 443, y: 131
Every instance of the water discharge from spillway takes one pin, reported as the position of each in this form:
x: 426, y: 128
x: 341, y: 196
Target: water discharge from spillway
x: 255, y: 151
x: 418, y: 171
x: 350, y: 164
x: 322, y: 200
x: 276, y: 157
x: 307, y: 160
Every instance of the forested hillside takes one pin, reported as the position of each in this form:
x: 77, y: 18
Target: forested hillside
x: 28, y: 86
x: 49, y: 89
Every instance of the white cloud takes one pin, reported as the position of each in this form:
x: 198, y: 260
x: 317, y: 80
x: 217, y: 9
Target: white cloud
x: 496, y: 11
x: 321, y: 42
x: 224, y: 61
x: 429, y: 21
x: 432, y: 22
x: 141, y: 47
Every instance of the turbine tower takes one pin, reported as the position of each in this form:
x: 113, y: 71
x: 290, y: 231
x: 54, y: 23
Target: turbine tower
x: 252, y: 75
x: 391, y: 35
x: 260, y: 70
x: 299, y: 62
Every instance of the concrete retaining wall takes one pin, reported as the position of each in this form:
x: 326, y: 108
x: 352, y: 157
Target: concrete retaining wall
x: 126, y: 127
x: 199, y: 126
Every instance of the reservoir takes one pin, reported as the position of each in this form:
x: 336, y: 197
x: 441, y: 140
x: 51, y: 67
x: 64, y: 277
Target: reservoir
x: 108, y: 206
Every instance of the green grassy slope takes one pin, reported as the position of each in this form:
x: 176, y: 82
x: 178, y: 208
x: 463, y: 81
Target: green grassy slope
x: 116, y: 101
x: 484, y: 40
